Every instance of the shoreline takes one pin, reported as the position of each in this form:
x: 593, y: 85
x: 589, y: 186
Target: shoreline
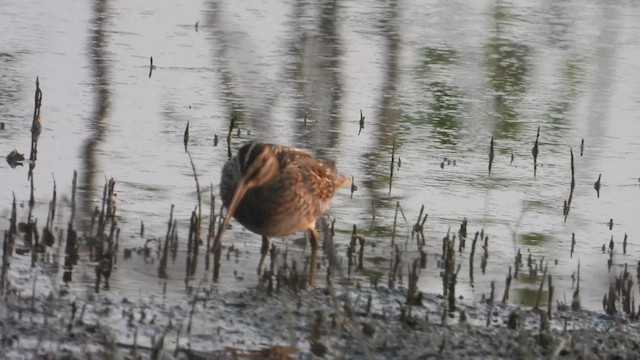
x: 42, y: 318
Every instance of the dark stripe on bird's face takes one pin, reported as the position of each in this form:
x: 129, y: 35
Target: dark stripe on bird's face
x: 248, y: 154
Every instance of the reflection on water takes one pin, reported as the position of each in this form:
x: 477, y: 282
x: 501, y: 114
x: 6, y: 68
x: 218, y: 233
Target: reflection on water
x: 508, y: 68
x: 97, y: 129
x: 437, y: 79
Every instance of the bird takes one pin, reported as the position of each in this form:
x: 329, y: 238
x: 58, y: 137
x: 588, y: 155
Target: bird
x: 275, y: 191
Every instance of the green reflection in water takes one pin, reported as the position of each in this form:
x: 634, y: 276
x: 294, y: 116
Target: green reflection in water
x: 443, y: 107
x: 445, y: 112
x: 573, y: 75
x: 508, y: 66
x: 534, y: 239
x: 435, y: 56
x: 528, y: 297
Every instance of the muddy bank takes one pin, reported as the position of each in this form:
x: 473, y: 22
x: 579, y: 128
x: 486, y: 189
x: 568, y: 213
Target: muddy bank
x: 42, y: 318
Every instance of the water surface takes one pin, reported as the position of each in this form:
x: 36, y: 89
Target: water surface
x: 437, y: 78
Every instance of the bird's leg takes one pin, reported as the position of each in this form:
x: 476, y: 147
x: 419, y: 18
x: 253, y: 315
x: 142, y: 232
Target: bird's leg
x: 263, y: 251
x: 314, y: 240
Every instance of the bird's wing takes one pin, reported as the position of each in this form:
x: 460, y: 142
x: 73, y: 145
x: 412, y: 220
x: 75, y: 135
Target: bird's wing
x: 287, y: 155
x: 320, y: 176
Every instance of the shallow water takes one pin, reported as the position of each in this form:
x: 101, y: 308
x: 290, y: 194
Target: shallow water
x: 440, y: 79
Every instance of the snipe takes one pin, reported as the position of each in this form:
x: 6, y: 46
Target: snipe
x: 276, y: 190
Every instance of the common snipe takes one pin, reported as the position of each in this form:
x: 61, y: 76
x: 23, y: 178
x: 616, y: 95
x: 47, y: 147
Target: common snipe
x: 276, y: 190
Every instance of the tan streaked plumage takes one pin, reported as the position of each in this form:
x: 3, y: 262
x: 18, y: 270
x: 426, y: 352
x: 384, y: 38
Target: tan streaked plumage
x: 275, y: 190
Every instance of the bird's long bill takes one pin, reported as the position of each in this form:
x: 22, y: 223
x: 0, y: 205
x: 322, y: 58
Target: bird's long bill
x: 241, y: 189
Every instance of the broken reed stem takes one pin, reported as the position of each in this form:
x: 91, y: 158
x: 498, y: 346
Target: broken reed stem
x: 493, y: 292
x: 550, y: 297
x: 413, y: 297
x: 162, y: 267
x: 48, y: 237
x: 194, y: 243
x: 193, y: 310
x: 448, y: 263
x: 70, y: 253
x: 395, y: 265
x: 5, y: 261
x: 232, y: 125
x: 13, y: 223
x: 212, y: 226
x: 73, y: 195
x: 491, y: 155
x: 485, y: 255
x: 198, y: 219
x: 539, y: 296
x: 31, y: 227
x: 173, y: 240
x: 393, y: 160
x: 453, y: 280
x: 505, y: 297
x: 111, y: 209
x: 36, y: 128
x: 351, y: 249
x: 360, y: 266
x: 185, y: 137
x: 575, y: 301
x: 462, y: 235
x: 517, y: 264
x: 395, y: 223
x: 418, y: 228
x: 102, y: 218
x: 573, y: 185
x: 471, y: 256
x: 534, y: 152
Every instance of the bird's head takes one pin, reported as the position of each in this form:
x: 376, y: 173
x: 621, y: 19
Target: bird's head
x: 257, y: 163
